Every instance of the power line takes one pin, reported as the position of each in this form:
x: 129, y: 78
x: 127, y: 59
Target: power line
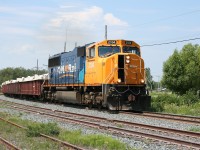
x: 166, y: 18
x: 157, y: 44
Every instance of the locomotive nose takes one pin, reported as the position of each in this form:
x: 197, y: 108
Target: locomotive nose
x: 134, y: 69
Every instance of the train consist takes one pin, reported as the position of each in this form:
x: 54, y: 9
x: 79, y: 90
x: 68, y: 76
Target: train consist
x: 110, y: 73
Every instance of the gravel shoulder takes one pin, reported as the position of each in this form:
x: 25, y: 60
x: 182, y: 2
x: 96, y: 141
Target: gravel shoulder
x: 135, y: 142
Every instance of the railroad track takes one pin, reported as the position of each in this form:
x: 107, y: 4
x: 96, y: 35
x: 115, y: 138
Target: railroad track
x: 8, y: 144
x: 172, y: 117
x: 68, y: 145
x: 163, y: 116
x: 111, y: 127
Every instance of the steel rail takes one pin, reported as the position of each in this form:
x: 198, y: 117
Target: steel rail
x: 163, y: 129
x: 46, y: 136
x: 118, y: 130
x: 179, y: 118
x: 8, y: 144
x: 163, y: 116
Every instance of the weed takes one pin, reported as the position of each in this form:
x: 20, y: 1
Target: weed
x: 94, y: 141
x: 187, y: 104
x: 195, y: 129
x: 29, y: 139
x: 36, y: 128
x: 120, y: 126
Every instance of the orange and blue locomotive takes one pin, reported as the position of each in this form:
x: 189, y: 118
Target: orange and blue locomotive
x: 110, y: 73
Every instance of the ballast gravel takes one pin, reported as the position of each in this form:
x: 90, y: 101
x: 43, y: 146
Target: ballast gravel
x: 134, y: 142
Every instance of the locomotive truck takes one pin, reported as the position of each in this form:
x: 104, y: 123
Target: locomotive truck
x: 110, y: 73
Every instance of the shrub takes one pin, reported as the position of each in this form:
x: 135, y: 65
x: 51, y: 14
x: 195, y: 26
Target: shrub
x: 190, y: 98
x: 157, y: 106
x: 187, y: 104
x: 160, y: 100
x: 163, y: 101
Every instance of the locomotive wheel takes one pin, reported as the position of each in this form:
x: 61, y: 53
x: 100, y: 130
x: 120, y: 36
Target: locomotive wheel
x: 42, y: 98
x: 90, y: 105
x: 99, y: 106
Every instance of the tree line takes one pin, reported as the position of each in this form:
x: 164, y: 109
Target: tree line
x: 10, y: 73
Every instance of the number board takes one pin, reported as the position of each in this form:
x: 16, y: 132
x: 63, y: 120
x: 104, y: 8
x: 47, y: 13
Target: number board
x: 128, y: 42
x: 112, y: 42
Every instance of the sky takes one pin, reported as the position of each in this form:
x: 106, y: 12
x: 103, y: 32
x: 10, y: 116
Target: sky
x: 36, y: 29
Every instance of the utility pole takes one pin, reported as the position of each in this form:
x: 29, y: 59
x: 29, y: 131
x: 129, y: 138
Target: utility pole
x: 106, y: 32
x: 37, y: 66
x: 65, y: 47
x: 158, y: 81
x: 75, y: 44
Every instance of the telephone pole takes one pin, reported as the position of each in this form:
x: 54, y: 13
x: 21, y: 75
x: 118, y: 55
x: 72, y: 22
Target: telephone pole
x: 105, y: 32
x: 37, y: 66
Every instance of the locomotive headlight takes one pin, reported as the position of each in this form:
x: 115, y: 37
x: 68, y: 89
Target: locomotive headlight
x: 142, y: 80
x: 127, y: 57
x: 127, y: 61
x: 119, y: 80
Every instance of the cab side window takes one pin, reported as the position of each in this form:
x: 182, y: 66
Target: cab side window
x: 92, y: 52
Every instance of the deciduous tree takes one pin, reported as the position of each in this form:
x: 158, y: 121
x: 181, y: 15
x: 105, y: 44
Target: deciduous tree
x: 181, y: 72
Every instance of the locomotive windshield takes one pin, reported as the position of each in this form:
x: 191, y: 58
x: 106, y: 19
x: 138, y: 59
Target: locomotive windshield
x: 133, y: 50
x: 105, y: 51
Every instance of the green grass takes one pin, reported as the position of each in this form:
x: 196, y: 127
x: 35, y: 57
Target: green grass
x: 35, y: 129
x: 31, y: 136
x: 2, y: 147
x: 2, y: 105
x: 93, y: 141
x: 195, y: 129
x: 120, y: 125
x: 18, y: 137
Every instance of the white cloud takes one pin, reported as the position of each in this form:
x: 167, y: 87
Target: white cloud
x: 26, y: 48
x: 111, y: 20
x: 83, y: 25
x: 21, y: 49
x: 79, y: 19
x: 87, y: 18
x: 67, y: 6
x: 17, y: 30
x: 19, y: 20
x: 6, y: 9
x: 51, y: 38
x: 26, y: 12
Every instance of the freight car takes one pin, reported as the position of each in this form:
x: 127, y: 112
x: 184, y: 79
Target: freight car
x: 110, y: 73
x: 29, y: 87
